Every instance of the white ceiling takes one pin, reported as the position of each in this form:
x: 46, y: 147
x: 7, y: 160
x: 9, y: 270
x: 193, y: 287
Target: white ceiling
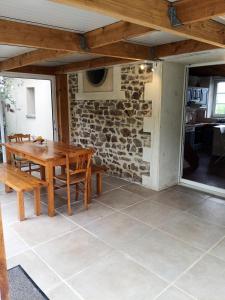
x: 220, y: 19
x: 68, y: 59
x: 52, y: 14
x: 10, y: 51
x: 154, y: 38
x: 217, y: 55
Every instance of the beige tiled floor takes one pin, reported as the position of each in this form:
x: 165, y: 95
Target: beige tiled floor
x: 132, y: 244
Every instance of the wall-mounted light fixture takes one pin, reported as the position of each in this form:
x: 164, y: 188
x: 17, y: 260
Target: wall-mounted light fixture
x: 149, y: 67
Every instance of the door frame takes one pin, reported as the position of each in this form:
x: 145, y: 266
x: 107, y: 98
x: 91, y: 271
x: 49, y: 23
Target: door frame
x: 185, y: 182
x: 53, y: 94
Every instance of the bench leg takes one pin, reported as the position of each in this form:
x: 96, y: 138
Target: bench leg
x: 99, y: 183
x: 20, y: 199
x: 37, y: 201
x: 8, y: 189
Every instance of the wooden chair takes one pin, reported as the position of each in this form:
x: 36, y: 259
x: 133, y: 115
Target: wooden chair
x: 20, y: 162
x: 77, y: 173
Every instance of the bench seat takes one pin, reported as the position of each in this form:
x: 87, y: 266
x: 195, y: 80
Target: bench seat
x: 21, y: 182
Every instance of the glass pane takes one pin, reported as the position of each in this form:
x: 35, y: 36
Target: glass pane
x: 221, y: 87
x: 220, y: 98
x: 220, y: 109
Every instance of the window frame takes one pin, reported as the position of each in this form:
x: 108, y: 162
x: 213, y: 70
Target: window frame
x: 215, y: 83
x: 29, y: 114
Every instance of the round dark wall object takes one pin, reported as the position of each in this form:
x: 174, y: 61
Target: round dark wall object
x: 97, y: 77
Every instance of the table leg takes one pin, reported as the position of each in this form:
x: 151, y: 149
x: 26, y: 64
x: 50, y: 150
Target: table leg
x: 49, y: 179
x: 9, y: 161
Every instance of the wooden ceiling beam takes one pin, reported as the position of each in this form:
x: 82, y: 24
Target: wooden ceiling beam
x: 21, y: 34
x: 153, y: 14
x: 190, y: 11
x: 157, y: 52
x: 32, y: 69
x: 124, y: 50
x: 35, y: 36
x: 181, y: 47
x: 90, y: 64
x: 114, y: 33
x: 120, y: 50
x: 30, y: 58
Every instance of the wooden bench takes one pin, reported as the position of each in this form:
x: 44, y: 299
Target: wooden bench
x: 21, y: 182
x: 98, y: 170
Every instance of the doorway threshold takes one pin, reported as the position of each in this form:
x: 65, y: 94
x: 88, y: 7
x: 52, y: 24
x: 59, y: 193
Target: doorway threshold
x: 212, y: 190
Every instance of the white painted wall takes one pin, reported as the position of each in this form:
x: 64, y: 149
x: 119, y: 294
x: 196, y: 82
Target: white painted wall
x: 166, y: 92
x: 17, y: 122
x: 170, y: 123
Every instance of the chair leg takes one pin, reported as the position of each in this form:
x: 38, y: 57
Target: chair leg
x: 89, y: 189
x: 30, y: 169
x: 20, y: 199
x: 77, y: 191
x: 68, y: 200
x: 99, y: 183
x: 86, y: 194
x: 37, y: 201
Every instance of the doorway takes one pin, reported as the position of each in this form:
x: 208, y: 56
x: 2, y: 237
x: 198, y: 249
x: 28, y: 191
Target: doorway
x: 203, y: 159
x: 27, y: 106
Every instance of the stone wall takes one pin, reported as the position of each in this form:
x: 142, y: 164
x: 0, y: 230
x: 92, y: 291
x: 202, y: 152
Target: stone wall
x: 115, y: 127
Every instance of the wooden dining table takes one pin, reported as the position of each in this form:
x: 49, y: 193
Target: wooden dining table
x: 47, y: 155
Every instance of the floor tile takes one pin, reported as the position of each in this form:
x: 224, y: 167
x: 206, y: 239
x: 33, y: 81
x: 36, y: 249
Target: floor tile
x: 119, y: 199
x: 219, y: 250
x: 115, y: 181
x: 42, y: 228
x: 10, y: 211
x: 162, y: 254
x: 205, y: 280
x: 72, y: 252
x: 6, y: 198
x: 118, y: 229
x: 151, y: 212
x: 139, y: 190
x: 178, y: 198
x: 13, y: 244
x: 106, y: 187
x: 115, y: 277
x: 192, y: 230
x: 210, y: 211
x: 61, y: 292
x: 174, y: 294
x: 83, y: 216
x: 62, y: 192
x: 42, y: 275
x: 59, y: 200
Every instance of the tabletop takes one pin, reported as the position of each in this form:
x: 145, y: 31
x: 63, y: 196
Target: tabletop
x: 46, y: 152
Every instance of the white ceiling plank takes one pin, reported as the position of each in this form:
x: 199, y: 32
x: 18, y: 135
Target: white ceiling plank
x: 216, y: 55
x: 10, y: 51
x: 156, y: 38
x: 52, y: 14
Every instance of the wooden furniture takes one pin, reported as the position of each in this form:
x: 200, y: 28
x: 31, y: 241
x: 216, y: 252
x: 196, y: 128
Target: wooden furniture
x: 4, y: 286
x: 98, y: 170
x: 21, y: 182
x: 78, y: 173
x: 47, y: 156
x: 18, y: 161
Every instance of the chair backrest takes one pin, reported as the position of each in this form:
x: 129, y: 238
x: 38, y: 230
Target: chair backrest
x: 19, y: 137
x: 79, y: 162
